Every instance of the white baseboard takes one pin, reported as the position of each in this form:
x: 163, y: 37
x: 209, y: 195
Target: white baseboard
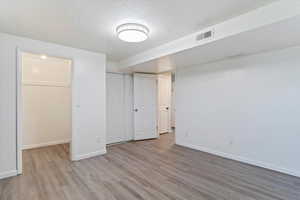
x: 241, y: 159
x: 32, y: 146
x: 88, y: 155
x: 8, y: 174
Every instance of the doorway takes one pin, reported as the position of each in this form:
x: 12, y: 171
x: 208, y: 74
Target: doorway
x: 164, y: 103
x: 44, y: 108
x: 153, y: 105
x: 145, y: 106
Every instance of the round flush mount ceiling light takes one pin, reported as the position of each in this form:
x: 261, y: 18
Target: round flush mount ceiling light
x: 43, y: 56
x: 132, y: 32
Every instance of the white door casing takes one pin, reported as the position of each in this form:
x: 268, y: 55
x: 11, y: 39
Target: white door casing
x: 164, y: 102
x: 145, y: 106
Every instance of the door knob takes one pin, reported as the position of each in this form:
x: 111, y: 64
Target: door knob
x: 135, y: 110
x: 167, y: 108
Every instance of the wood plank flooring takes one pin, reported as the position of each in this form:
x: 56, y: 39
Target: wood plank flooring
x: 153, y: 169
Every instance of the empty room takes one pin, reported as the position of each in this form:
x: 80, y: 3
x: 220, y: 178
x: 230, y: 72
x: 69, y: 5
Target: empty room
x: 137, y: 99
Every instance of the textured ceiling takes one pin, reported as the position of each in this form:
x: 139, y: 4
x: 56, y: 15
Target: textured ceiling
x: 90, y: 24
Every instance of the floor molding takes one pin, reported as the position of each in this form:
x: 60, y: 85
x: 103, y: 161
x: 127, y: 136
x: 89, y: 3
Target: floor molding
x: 8, y: 174
x: 89, y: 155
x: 241, y: 159
x: 32, y: 146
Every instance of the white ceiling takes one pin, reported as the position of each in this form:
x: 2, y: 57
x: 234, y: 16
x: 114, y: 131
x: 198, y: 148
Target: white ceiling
x: 90, y: 24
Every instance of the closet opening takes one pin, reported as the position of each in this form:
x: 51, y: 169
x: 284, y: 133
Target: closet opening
x: 44, y: 108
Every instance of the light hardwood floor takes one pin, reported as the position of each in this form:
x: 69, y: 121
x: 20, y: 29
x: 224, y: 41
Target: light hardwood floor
x: 153, y: 169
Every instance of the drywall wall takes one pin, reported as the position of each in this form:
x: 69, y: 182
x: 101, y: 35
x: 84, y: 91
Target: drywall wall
x: 119, y: 112
x: 244, y: 108
x: 46, y: 105
x: 88, y: 98
x: 113, y: 67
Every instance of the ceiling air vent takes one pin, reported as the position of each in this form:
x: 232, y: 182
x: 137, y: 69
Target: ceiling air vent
x: 204, y: 35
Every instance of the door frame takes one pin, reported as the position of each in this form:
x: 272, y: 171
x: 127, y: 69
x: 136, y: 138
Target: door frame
x: 19, y: 104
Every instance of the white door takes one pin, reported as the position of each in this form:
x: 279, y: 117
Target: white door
x: 145, y: 106
x: 173, y: 110
x: 115, y: 131
x: 164, y: 102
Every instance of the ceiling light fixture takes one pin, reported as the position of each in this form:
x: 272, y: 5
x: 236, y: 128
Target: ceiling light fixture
x: 43, y: 56
x: 132, y: 32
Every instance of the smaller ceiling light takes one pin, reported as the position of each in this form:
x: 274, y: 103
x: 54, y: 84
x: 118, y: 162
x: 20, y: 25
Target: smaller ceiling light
x: 43, y: 57
x: 132, y: 32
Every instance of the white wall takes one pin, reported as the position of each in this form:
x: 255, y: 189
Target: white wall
x: 46, y: 91
x: 245, y: 108
x: 88, y: 95
x: 119, y: 110
x: 113, y: 67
